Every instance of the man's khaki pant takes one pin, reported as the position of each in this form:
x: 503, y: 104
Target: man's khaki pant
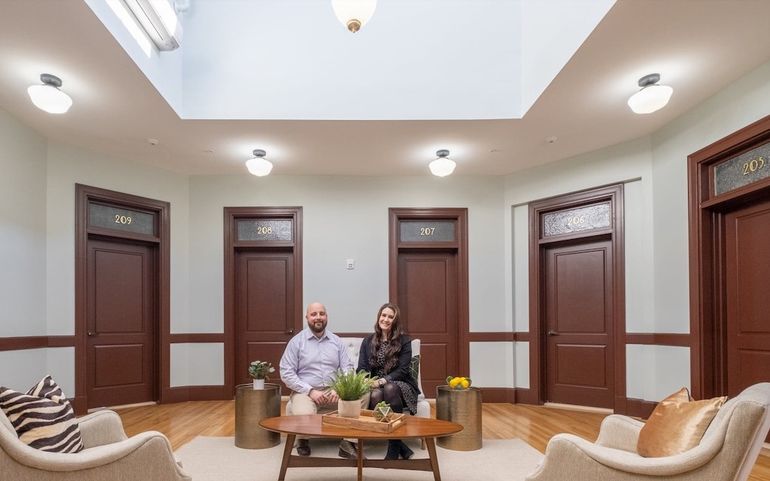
x: 302, y: 404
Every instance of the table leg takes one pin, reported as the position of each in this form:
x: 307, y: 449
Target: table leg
x: 286, y: 455
x: 431, y: 444
x: 360, y: 459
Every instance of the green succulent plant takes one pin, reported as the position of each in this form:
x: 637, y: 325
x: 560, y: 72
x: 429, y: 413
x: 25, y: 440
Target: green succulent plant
x: 382, y: 411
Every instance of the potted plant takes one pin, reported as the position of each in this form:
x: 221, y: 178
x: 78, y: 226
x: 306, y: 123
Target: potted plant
x: 350, y: 386
x: 259, y: 370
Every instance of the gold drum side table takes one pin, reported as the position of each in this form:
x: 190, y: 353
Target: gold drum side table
x: 461, y: 406
x: 252, y: 406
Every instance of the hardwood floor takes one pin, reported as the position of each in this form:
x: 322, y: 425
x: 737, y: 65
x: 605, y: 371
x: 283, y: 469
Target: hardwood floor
x: 534, y: 424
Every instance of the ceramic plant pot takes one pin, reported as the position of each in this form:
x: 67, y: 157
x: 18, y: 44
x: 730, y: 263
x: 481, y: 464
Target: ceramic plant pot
x: 259, y: 384
x: 349, y: 409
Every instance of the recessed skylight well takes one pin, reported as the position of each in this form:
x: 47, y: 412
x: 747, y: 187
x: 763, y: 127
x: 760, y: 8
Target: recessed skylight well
x: 394, y: 68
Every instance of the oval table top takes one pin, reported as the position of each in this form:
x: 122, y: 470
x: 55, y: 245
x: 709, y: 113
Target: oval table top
x: 311, y: 425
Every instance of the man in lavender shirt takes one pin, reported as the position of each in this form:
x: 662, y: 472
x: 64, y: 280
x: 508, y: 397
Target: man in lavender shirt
x: 310, y: 358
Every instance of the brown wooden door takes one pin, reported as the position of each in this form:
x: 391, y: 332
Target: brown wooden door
x: 264, y: 308
x: 121, y: 323
x: 428, y: 299
x: 578, y: 324
x: 747, y: 262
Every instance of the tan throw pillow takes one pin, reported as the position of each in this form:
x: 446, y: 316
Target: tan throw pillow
x: 676, y: 425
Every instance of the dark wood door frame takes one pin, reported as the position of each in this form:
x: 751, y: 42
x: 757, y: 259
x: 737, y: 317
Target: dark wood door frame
x: 707, y: 277
x: 83, y: 196
x: 537, y: 364
x: 231, y: 216
x: 460, y: 217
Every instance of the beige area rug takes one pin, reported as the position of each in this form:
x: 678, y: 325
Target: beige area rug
x: 217, y: 459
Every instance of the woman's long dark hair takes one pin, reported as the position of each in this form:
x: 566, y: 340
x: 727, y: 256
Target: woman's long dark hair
x: 394, y: 336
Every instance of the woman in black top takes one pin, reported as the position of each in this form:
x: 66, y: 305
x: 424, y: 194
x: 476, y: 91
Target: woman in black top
x: 387, y: 355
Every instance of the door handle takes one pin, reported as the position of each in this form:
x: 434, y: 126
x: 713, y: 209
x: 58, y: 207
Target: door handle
x: 290, y: 331
x: 91, y: 333
x: 553, y: 333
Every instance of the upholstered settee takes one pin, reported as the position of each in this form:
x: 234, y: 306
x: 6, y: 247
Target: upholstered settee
x: 726, y: 452
x: 108, y: 455
x: 354, y: 348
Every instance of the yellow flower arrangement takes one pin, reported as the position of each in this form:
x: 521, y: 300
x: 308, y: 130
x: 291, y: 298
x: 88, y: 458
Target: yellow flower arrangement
x: 457, y: 382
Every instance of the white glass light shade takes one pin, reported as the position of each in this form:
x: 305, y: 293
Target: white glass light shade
x: 49, y: 98
x: 442, y: 167
x: 354, y: 13
x: 259, y: 166
x: 650, y: 98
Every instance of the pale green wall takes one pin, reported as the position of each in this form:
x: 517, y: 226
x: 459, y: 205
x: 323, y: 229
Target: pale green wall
x: 22, y: 229
x: 347, y: 217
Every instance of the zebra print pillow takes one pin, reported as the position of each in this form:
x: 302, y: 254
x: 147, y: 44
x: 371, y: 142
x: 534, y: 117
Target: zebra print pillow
x: 43, y: 417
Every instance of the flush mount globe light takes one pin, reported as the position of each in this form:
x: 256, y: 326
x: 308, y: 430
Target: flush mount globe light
x: 259, y: 165
x: 651, y: 97
x: 354, y: 13
x: 48, y: 97
x: 442, y: 166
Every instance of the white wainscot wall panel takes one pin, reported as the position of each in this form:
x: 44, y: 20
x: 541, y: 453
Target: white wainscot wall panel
x: 522, y: 364
x: 492, y: 364
x: 60, y: 363
x: 19, y: 370
x: 198, y: 364
x: 654, y: 372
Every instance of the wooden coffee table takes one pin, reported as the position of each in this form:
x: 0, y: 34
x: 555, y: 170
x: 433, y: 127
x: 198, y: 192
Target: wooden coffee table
x: 311, y: 426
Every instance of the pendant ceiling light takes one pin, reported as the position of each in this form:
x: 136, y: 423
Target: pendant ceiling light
x: 442, y: 166
x: 651, y: 97
x: 48, y: 97
x: 354, y: 13
x: 259, y: 165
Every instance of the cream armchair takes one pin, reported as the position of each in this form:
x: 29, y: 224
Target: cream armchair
x: 727, y: 451
x: 109, y: 455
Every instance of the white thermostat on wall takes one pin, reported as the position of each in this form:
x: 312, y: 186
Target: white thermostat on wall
x: 350, y: 264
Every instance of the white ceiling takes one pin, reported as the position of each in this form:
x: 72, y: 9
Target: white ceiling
x: 698, y: 46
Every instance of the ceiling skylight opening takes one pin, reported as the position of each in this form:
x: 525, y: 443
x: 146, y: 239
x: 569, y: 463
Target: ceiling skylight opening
x: 129, y: 21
